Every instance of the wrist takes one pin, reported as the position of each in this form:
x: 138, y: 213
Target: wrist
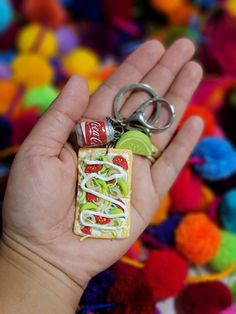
x: 25, y: 273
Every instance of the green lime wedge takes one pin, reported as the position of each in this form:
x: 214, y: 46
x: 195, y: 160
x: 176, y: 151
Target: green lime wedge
x: 138, y: 142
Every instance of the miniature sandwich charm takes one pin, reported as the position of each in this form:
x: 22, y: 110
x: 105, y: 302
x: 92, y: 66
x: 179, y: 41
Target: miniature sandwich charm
x: 104, y: 192
x: 104, y: 174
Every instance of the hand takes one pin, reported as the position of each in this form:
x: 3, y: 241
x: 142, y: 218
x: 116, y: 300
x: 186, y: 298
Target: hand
x: 40, y: 198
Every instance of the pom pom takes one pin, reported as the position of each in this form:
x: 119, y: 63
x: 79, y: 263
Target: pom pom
x: 166, y: 272
x: 5, y: 132
x: 134, y: 251
x: 219, y: 34
x: 212, y: 91
x: 31, y: 70
x: 205, y: 114
x: 122, y: 9
x: 166, y: 6
x: 197, y: 238
x: 6, y: 15
x: 218, y: 158
x: 42, y: 96
x: 228, y: 210
x: 230, y: 310
x: 8, y: 38
x: 5, y: 72
x: 81, y: 61
x: 49, y: 12
x: 131, y: 294
x: 226, y: 253
x: 36, y: 38
x: 186, y: 193
x: 162, y: 211
x: 8, y: 91
x: 165, y: 232
x: 22, y: 125
x: 208, y: 297
x: 93, y: 84
x: 67, y: 39
x: 97, y: 288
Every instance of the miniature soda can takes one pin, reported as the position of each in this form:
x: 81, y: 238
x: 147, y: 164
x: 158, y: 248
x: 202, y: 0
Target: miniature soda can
x: 94, y: 133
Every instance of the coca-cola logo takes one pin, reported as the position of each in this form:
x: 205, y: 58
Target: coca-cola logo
x: 95, y: 130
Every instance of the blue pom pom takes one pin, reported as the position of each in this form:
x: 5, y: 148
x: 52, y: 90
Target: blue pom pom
x: 5, y: 132
x: 164, y: 232
x: 7, y: 56
x: 97, y: 288
x: 6, y: 15
x: 219, y: 158
x: 228, y: 211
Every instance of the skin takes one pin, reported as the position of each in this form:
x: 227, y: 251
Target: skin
x: 39, y: 203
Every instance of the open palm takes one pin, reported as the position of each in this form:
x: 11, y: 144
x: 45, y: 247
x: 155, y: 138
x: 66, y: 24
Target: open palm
x: 40, y: 199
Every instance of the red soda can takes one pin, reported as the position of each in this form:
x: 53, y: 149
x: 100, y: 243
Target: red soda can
x: 94, y: 133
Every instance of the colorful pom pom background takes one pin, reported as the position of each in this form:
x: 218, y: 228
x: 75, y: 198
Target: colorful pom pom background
x: 185, y: 261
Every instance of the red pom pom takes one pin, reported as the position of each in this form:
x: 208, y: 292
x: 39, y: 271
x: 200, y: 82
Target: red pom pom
x: 166, y: 272
x: 22, y: 125
x: 131, y: 294
x: 207, y: 297
x: 49, y: 12
x: 205, y: 114
x: 186, y: 193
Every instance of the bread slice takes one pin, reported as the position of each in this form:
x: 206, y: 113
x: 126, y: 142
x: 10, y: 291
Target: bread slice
x: 104, y: 193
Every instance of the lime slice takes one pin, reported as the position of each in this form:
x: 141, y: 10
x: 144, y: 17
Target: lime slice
x: 138, y: 142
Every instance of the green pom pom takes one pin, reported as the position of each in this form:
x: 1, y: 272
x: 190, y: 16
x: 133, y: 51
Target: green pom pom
x: 232, y: 287
x: 41, y: 96
x: 226, y: 253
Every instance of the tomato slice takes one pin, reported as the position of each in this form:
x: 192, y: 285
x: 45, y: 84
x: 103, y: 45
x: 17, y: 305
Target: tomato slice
x: 120, y: 161
x: 111, y: 181
x: 93, y: 168
x: 102, y: 220
x: 91, y: 197
x: 118, y: 206
x: 86, y: 230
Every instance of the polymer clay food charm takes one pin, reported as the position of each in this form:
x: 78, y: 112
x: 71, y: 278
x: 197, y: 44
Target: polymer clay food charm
x: 104, y: 174
x: 104, y: 191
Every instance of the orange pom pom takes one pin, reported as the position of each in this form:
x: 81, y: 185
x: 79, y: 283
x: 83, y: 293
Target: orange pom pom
x: 205, y: 114
x: 162, y: 211
x: 182, y: 14
x: 207, y: 198
x: 197, y: 238
x: 49, y: 12
x: 106, y: 72
x: 166, y: 6
x: 8, y: 91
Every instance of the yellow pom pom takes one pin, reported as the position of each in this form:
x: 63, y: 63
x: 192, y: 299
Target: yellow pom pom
x: 31, y: 70
x: 230, y: 5
x: 35, y: 38
x: 93, y: 84
x: 162, y: 211
x: 81, y: 61
x: 197, y: 238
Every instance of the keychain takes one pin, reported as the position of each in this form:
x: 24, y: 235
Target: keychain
x: 105, y: 164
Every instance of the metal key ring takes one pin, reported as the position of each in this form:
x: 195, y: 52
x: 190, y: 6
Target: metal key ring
x: 131, y: 87
x: 138, y: 116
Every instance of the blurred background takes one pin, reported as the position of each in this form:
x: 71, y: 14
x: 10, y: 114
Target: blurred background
x: 185, y: 261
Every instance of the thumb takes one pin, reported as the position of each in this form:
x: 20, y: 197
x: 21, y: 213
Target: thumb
x: 53, y: 129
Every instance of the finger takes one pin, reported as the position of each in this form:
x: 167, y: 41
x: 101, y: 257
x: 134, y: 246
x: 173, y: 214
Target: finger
x: 132, y: 70
x: 179, y: 95
x: 163, y: 74
x: 55, y: 126
x: 168, y: 166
